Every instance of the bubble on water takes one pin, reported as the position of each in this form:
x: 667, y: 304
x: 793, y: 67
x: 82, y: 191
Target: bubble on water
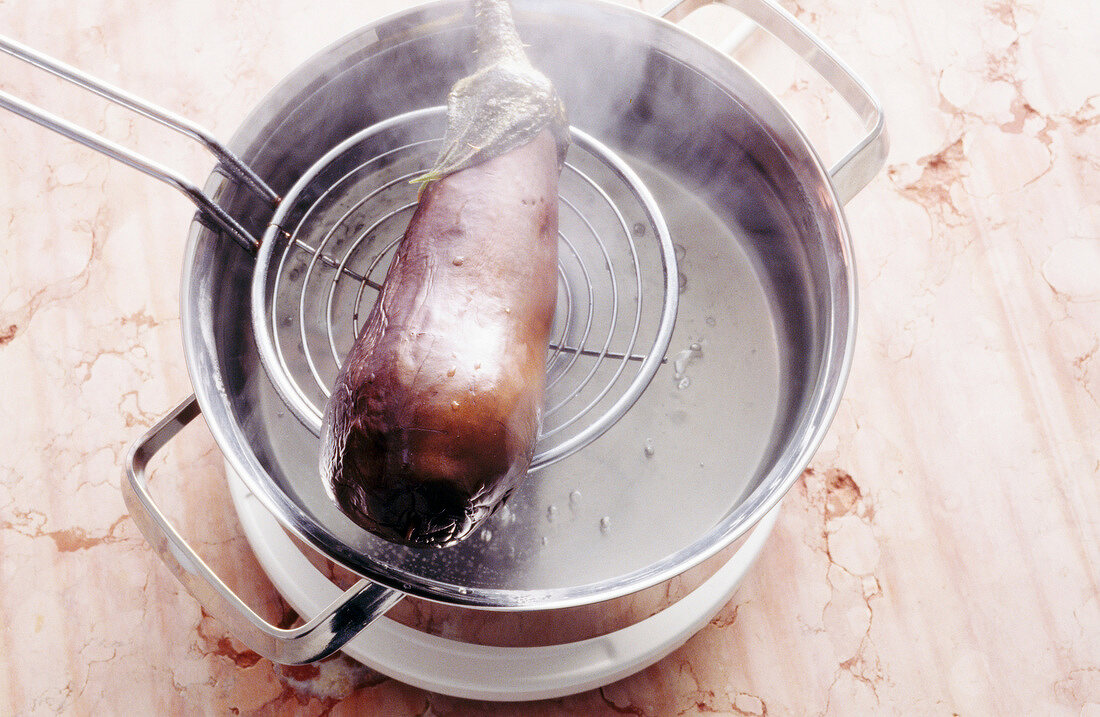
x: 649, y: 448
x: 679, y: 364
x: 605, y: 524
x: 551, y: 512
x: 682, y: 361
x: 574, y: 499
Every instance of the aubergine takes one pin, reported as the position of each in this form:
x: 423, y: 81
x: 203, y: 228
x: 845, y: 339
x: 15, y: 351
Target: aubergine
x: 434, y: 415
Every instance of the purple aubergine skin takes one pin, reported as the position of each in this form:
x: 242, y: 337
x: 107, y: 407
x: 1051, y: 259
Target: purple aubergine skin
x: 435, y: 413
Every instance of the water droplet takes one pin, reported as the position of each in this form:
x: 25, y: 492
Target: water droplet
x: 683, y: 281
x: 574, y: 499
x: 679, y: 364
x: 544, y: 540
x: 682, y: 361
x: 486, y: 535
x: 711, y: 321
x: 551, y: 512
x: 639, y: 229
x: 457, y: 261
x: 463, y: 591
x: 649, y: 448
x: 605, y: 524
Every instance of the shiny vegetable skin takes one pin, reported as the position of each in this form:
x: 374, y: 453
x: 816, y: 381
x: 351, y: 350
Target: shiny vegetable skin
x: 436, y: 411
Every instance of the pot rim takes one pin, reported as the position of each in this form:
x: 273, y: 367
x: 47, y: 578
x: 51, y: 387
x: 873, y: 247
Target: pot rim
x: 813, y: 421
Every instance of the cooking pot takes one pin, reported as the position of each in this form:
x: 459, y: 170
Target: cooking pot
x: 731, y: 297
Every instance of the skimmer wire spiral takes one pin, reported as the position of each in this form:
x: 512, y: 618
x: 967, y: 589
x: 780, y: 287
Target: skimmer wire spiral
x: 328, y: 248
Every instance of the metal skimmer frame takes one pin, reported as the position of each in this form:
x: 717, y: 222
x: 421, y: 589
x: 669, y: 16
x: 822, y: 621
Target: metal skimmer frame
x: 329, y: 246
x: 326, y: 252
x: 228, y: 162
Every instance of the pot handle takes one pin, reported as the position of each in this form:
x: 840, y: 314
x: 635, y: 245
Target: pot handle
x: 232, y: 164
x: 324, y: 634
x: 859, y: 166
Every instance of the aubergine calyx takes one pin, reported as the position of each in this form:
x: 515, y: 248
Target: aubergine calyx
x: 504, y: 104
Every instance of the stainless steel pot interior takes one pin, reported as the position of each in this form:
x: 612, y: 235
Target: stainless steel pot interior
x: 324, y: 257
x: 757, y: 361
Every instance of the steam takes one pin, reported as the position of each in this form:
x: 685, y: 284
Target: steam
x: 621, y: 84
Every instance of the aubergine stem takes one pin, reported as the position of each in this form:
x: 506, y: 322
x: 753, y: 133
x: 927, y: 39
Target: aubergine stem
x: 495, y: 31
x: 505, y: 103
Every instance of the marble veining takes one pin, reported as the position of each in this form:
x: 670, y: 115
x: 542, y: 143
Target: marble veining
x: 940, y: 555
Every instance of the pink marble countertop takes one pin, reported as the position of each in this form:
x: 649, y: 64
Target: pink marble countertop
x: 941, y: 555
